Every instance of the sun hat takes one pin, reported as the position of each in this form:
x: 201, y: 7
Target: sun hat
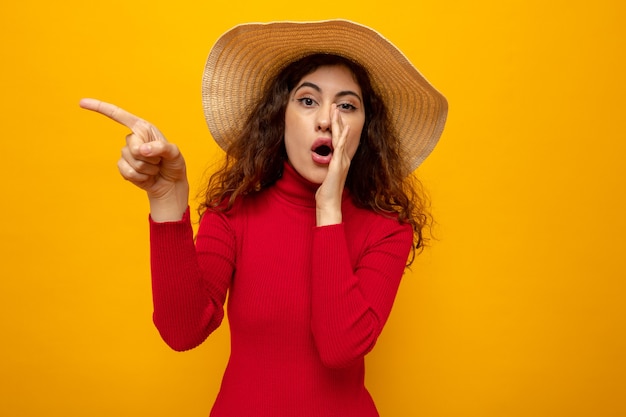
x: 247, y: 57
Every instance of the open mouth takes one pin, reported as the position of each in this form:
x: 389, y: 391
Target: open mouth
x: 323, y: 150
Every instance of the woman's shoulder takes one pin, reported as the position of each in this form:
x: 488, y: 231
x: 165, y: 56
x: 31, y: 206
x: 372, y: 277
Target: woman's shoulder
x: 365, y: 218
x: 232, y: 213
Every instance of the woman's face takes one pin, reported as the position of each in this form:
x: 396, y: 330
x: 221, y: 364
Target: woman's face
x: 308, y: 130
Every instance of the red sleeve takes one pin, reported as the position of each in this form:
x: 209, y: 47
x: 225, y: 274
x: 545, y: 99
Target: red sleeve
x: 350, y: 306
x: 190, y: 282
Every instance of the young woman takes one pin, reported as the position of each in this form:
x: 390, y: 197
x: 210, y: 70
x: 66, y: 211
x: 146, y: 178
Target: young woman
x: 309, y: 223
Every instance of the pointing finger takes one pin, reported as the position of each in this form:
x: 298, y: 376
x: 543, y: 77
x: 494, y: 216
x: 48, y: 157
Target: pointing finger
x: 111, y: 111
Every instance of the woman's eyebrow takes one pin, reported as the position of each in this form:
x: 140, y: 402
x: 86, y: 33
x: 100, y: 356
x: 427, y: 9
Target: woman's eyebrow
x: 349, y: 93
x: 319, y: 90
x: 308, y: 84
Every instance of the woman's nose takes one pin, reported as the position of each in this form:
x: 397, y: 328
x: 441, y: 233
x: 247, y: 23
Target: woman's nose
x: 323, y: 120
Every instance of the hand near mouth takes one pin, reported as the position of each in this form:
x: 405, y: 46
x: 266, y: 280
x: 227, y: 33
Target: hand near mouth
x: 329, y: 194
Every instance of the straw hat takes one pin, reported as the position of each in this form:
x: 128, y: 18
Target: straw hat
x: 247, y: 57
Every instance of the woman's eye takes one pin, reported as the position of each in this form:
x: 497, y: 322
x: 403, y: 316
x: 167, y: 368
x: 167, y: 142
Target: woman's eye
x: 346, y: 106
x: 307, y: 101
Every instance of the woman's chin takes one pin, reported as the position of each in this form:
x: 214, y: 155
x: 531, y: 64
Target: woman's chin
x: 314, y: 173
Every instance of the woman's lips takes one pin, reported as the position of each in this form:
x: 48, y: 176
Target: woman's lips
x: 322, y: 151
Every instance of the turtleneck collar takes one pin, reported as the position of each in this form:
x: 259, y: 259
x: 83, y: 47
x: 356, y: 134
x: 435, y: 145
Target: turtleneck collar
x: 294, y: 188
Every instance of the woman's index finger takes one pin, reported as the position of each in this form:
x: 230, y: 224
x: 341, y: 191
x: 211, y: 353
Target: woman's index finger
x: 111, y: 111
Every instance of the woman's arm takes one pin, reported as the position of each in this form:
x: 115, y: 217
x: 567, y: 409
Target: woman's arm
x: 350, y: 305
x: 190, y: 282
x: 189, y: 286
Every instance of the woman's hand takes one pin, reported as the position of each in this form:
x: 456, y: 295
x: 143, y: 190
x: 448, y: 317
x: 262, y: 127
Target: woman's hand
x: 329, y: 194
x: 150, y: 162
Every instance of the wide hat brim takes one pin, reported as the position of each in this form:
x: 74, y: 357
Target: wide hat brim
x: 247, y: 57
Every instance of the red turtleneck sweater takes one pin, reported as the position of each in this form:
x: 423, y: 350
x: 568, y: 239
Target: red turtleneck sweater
x: 305, y: 303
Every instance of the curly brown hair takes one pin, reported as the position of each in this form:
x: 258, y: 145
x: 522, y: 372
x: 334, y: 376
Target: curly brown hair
x: 377, y: 177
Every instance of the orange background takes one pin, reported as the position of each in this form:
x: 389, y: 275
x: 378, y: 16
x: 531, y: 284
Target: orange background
x: 517, y: 310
